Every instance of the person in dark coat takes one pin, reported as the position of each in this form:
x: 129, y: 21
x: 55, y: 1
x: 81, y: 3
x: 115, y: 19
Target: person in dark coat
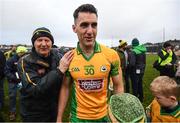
x: 167, y: 59
x: 3, y: 61
x: 13, y: 79
x: 138, y: 64
x: 41, y: 73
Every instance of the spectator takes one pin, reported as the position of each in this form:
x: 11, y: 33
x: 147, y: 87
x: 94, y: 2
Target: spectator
x: 41, y: 73
x: 177, y: 51
x: 3, y: 61
x: 89, y: 72
x: 138, y: 64
x: 10, y: 53
x: 123, y: 55
x: 13, y: 79
x: 128, y: 74
x: 167, y: 59
x: 165, y: 107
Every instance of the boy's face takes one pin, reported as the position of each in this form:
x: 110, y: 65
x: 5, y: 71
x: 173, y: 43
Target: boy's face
x: 163, y: 100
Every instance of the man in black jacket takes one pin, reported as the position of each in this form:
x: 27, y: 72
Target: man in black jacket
x: 41, y: 73
x: 2, y: 64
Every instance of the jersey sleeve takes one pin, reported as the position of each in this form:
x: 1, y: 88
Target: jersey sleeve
x: 115, y: 63
x: 67, y: 73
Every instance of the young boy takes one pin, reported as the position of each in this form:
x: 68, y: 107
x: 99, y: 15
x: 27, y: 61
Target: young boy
x: 126, y: 108
x: 165, y: 107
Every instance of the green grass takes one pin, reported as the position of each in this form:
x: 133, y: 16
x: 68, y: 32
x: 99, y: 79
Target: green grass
x: 149, y: 75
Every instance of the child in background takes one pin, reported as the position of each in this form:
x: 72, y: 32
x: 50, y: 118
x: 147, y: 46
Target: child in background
x: 165, y: 107
x: 126, y: 108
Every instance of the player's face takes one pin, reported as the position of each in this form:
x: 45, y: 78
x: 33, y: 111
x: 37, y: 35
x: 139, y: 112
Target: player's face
x: 43, y: 46
x: 86, y: 28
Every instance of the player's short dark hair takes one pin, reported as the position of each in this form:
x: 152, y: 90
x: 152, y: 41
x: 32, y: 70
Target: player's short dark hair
x: 85, y: 8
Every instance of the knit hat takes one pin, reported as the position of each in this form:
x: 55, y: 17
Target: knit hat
x: 166, y: 44
x: 42, y: 32
x: 21, y: 49
x: 135, y: 42
x: 122, y: 43
x: 127, y: 108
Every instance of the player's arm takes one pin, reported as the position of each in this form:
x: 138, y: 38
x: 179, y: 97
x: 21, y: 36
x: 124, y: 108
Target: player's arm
x: 118, y: 86
x: 116, y: 74
x: 63, y: 97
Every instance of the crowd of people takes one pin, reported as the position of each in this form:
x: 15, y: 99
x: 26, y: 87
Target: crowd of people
x: 46, y: 78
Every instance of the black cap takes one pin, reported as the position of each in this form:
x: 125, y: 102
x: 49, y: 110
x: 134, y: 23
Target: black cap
x: 135, y: 42
x: 42, y: 32
x: 166, y: 44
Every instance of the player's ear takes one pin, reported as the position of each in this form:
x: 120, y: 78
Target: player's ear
x: 74, y: 28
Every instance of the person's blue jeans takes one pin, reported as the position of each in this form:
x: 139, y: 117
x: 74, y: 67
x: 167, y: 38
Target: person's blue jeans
x: 1, y: 93
x: 12, y: 96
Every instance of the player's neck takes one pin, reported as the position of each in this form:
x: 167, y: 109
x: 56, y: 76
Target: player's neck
x: 88, y: 51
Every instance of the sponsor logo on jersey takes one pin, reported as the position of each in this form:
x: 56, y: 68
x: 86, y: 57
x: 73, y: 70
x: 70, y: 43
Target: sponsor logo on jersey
x: 103, y: 68
x: 90, y: 84
x: 75, y: 69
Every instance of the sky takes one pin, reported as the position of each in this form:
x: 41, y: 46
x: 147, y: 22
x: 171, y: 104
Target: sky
x: 148, y: 20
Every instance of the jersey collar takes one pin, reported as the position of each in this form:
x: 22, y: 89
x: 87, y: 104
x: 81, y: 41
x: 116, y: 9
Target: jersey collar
x: 97, y: 48
x: 173, y: 112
